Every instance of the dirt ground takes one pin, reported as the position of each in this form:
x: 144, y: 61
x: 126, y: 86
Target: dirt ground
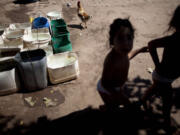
x: 150, y: 19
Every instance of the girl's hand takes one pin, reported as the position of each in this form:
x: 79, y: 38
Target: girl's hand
x: 144, y: 49
x: 132, y: 54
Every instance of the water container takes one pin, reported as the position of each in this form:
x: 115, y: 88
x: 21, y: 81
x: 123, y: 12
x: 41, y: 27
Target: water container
x: 63, y: 67
x: 32, y: 69
x: 35, y: 40
x: 26, y: 27
x: 8, y: 77
x: 6, y: 52
x: 11, y: 43
x: 59, y: 30
x: 62, y: 43
x: 13, y: 34
x: 54, y: 15
x: 40, y: 30
x: 40, y: 22
x: 64, y: 48
x: 58, y: 23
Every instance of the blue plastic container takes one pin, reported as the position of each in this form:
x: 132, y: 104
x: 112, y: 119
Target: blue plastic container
x: 40, y: 22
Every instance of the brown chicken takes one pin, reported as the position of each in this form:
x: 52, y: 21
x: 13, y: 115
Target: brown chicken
x: 82, y: 14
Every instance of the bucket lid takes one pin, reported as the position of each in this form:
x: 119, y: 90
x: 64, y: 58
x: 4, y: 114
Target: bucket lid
x: 54, y: 14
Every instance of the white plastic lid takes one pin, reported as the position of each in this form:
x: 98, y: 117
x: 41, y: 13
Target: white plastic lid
x: 54, y: 15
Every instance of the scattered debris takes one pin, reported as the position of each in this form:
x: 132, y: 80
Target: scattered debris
x: 30, y: 101
x: 121, y: 106
x: 150, y: 70
x: 48, y: 102
x: 161, y: 131
x: 80, y: 34
x: 51, y: 91
x: 21, y: 123
x: 68, y: 4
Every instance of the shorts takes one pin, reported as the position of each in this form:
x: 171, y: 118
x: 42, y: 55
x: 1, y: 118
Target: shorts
x: 101, y: 89
x: 159, y: 78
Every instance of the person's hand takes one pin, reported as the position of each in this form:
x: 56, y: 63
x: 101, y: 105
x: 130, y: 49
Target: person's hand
x: 144, y: 49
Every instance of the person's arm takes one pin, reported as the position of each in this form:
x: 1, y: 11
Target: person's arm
x: 133, y: 53
x: 153, y: 52
x: 153, y: 45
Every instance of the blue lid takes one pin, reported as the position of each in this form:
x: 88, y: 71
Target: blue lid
x: 40, y: 22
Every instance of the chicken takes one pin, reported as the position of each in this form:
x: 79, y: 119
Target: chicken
x: 82, y: 14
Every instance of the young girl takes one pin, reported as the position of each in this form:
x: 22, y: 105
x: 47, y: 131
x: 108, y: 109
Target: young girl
x: 116, y: 64
x: 167, y: 70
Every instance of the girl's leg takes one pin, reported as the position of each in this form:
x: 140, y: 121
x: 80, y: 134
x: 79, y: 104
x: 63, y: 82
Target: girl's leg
x: 109, y: 101
x: 122, y: 99
x: 152, y: 90
x: 167, y: 97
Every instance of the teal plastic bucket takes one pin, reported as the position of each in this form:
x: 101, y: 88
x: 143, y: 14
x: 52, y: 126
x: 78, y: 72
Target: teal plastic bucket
x: 59, y: 30
x: 62, y: 43
x: 58, y: 23
x: 64, y: 48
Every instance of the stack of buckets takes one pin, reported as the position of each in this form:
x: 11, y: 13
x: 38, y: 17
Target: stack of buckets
x: 60, y: 36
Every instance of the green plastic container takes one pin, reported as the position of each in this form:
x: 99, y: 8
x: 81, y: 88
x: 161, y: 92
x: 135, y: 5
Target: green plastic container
x: 60, y: 36
x: 58, y: 23
x: 59, y: 30
x: 62, y: 49
x: 62, y: 43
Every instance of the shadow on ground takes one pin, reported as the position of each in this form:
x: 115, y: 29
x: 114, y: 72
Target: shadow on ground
x: 76, y: 26
x: 136, y: 87
x: 126, y: 121
x: 24, y: 1
x: 130, y: 120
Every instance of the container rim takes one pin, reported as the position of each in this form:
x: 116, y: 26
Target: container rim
x: 62, y: 54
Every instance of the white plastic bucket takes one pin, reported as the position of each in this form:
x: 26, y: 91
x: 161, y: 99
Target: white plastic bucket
x: 13, y: 34
x: 7, y: 82
x: 41, y: 30
x: 62, y: 67
x: 26, y: 27
x: 8, y: 77
x: 20, y: 26
x: 35, y: 40
x: 53, y: 15
x: 11, y: 43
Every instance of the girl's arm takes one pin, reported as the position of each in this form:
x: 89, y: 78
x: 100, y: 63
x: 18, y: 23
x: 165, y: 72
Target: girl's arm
x: 153, y: 45
x: 133, y: 53
x: 153, y: 52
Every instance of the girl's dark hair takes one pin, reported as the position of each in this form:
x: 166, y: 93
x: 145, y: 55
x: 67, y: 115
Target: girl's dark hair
x: 116, y: 25
x: 175, y: 21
